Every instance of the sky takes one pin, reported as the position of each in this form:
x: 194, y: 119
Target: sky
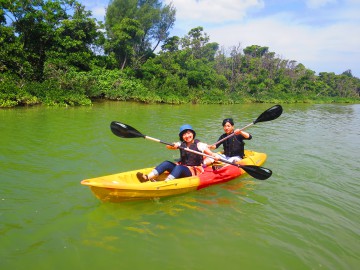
x: 323, y: 35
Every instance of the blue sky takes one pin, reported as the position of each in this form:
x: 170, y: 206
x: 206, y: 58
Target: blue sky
x: 323, y: 35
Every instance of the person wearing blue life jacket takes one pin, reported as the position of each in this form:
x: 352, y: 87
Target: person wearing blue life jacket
x: 233, y: 146
x: 189, y: 164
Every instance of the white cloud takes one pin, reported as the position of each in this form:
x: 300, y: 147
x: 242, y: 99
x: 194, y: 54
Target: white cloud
x: 318, y: 3
x: 210, y: 11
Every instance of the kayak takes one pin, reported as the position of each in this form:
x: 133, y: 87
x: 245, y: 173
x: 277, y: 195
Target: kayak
x: 125, y: 186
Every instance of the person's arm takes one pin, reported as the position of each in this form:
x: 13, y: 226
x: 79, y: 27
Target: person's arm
x: 212, y: 147
x: 205, y: 149
x: 215, y: 146
x: 245, y: 135
x: 174, y: 146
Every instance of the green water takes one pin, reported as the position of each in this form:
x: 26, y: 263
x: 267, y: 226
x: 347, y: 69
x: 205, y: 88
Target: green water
x: 306, y: 216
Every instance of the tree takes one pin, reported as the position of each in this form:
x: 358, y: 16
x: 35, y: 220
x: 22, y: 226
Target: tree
x: 197, y: 43
x: 33, y: 23
x: 256, y: 51
x: 154, y: 19
x: 75, y: 39
x: 124, y: 38
x: 171, y: 44
x: 47, y: 28
x: 12, y: 58
x: 347, y: 73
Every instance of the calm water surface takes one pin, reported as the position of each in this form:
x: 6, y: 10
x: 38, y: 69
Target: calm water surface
x: 306, y: 216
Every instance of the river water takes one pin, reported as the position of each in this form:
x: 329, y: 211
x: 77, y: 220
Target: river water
x: 306, y: 216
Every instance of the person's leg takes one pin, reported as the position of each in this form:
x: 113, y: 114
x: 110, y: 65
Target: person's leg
x: 208, y: 161
x: 179, y: 171
x: 165, y: 166
x: 234, y: 159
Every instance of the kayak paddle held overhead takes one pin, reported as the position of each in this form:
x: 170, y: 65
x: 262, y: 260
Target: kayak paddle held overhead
x: 125, y: 131
x: 268, y: 115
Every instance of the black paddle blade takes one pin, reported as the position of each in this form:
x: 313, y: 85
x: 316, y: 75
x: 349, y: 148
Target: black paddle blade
x: 270, y: 114
x: 125, y: 131
x: 257, y: 172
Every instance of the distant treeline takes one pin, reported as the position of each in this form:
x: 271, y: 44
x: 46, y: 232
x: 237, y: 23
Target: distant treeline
x: 55, y: 53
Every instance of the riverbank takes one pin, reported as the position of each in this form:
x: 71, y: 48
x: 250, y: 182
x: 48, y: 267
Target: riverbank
x: 73, y: 101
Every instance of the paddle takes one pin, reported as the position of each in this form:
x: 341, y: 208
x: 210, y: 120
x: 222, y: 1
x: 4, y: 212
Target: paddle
x: 125, y: 131
x: 268, y: 115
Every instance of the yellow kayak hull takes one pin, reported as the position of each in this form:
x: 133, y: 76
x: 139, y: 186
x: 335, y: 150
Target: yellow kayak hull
x: 125, y: 186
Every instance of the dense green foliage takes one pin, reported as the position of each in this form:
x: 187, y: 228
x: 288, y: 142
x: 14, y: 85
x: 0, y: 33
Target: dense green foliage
x: 54, y: 53
x: 132, y: 27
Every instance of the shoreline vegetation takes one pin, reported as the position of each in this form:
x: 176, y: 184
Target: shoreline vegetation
x: 67, y: 58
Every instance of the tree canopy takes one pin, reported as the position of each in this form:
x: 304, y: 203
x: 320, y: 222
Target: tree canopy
x: 135, y: 28
x: 41, y: 31
x: 55, y: 53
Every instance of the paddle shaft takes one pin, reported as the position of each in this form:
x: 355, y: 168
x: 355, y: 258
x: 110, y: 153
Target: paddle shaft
x: 190, y: 150
x: 156, y: 140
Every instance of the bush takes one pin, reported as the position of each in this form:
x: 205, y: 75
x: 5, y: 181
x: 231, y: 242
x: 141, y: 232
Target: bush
x: 14, y: 93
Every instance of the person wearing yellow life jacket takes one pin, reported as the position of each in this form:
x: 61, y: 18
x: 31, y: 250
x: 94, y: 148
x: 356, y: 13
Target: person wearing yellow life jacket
x: 189, y: 164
